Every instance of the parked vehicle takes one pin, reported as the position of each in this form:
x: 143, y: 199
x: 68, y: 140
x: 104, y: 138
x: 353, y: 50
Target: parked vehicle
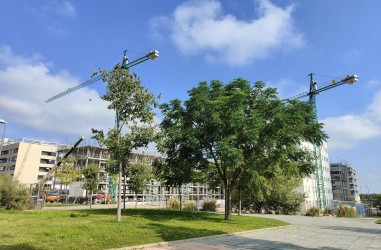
x: 52, y: 196
x: 101, y: 196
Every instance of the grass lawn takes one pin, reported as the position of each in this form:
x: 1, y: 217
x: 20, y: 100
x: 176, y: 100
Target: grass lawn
x: 98, y: 229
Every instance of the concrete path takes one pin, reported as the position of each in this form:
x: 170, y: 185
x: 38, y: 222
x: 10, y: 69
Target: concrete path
x: 305, y: 233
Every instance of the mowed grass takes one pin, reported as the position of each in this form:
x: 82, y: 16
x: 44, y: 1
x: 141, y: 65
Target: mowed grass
x: 98, y: 229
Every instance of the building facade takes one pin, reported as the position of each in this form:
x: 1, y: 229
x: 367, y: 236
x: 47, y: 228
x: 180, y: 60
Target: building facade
x: 155, y: 193
x: 27, y: 160
x: 310, y: 184
x: 344, y: 182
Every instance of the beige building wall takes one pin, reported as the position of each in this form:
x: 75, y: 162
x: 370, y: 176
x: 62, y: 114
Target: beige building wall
x: 27, y: 160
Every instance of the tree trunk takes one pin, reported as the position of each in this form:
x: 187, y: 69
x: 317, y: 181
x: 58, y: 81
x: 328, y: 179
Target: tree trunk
x: 239, y: 200
x: 180, y: 197
x: 119, y: 210
x: 136, y: 200
x: 228, y: 200
x: 124, y: 195
x: 198, y: 197
x: 66, y: 197
x: 91, y: 198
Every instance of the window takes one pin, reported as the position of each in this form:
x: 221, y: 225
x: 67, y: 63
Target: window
x: 4, y: 152
x: 48, y: 153
x: 43, y: 170
x: 47, y: 161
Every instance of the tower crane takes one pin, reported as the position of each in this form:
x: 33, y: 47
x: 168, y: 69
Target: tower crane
x: 311, y: 94
x: 126, y: 65
x: 150, y: 55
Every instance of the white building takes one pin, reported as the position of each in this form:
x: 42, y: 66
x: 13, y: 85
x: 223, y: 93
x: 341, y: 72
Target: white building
x: 310, y: 184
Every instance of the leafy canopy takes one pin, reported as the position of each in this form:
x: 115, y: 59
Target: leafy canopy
x: 235, y: 128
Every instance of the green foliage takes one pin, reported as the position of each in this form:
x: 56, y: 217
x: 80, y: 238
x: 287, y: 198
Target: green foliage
x: 13, y: 196
x: 240, y: 128
x: 133, y: 105
x: 140, y: 175
x: 378, y: 221
x: 346, y: 211
x: 209, y: 205
x: 67, y: 173
x: 91, y: 179
x: 273, y: 190
x: 174, y: 203
x: 374, y: 198
x: 189, y: 206
x: 313, y: 211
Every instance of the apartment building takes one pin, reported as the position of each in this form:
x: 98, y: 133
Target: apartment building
x: 28, y: 160
x: 344, y: 182
x: 156, y: 192
x: 310, y: 184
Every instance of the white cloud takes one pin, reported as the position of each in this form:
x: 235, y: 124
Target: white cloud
x: 347, y: 131
x: 25, y: 85
x: 201, y: 27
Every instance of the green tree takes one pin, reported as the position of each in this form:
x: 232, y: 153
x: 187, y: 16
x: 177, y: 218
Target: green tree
x: 237, y: 127
x: 91, y: 180
x: 133, y: 105
x: 13, y: 196
x: 274, y: 188
x: 68, y: 174
x: 174, y: 172
x: 139, y: 176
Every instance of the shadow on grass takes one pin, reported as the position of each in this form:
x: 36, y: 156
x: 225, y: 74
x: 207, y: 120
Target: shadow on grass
x: 23, y: 246
x: 159, y: 215
x: 172, y: 233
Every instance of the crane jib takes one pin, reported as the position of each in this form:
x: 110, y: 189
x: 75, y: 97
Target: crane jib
x: 151, y: 55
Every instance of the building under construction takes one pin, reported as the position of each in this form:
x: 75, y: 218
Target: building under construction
x: 156, y: 192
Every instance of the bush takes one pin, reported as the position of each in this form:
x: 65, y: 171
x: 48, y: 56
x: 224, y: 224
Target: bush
x: 13, y: 196
x: 174, y: 203
x: 313, y: 211
x: 209, y: 205
x: 189, y: 206
x: 346, y: 211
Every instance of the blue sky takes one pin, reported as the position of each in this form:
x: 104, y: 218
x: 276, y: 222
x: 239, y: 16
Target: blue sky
x: 49, y: 46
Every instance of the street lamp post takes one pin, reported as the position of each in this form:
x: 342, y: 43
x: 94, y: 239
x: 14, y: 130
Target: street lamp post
x: 2, y: 138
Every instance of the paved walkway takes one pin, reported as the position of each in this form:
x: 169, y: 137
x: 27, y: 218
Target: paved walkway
x: 328, y: 233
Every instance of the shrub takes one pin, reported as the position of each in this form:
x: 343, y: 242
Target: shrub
x: 13, y: 196
x: 346, y: 211
x: 189, y: 206
x: 174, y: 203
x: 313, y: 211
x: 209, y: 205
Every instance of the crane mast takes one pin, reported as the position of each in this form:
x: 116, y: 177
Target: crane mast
x: 319, y: 174
x: 311, y: 94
